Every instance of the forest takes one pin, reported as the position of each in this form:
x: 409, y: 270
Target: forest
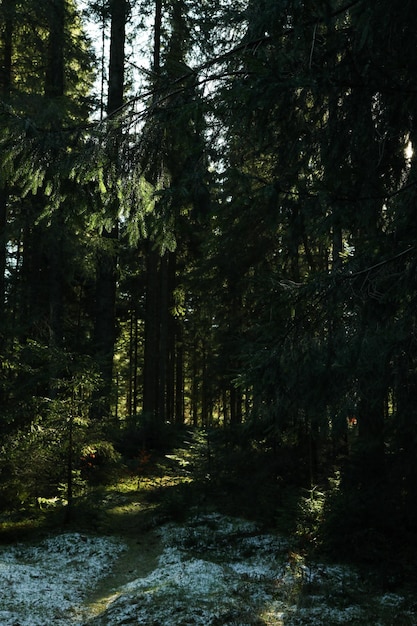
x: 208, y: 258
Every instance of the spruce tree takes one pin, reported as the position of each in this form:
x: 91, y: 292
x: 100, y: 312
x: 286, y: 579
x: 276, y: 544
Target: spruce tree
x: 106, y: 282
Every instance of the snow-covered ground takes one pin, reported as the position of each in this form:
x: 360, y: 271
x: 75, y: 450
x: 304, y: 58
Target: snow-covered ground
x: 46, y: 583
x: 213, y: 570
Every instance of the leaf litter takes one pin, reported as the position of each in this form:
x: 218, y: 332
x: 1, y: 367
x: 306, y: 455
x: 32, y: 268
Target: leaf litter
x: 212, y: 570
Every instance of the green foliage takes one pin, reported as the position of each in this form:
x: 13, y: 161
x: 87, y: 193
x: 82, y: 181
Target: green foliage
x: 276, y: 178
x: 143, y: 432
x: 310, y: 517
x: 32, y: 465
x: 99, y: 462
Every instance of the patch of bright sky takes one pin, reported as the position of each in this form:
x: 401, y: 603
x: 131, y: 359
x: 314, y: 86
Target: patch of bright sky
x: 409, y: 151
x: 220, y: 38
x: 138, y: 45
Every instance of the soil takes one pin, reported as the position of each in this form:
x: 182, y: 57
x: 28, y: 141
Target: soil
x: 139, y: 559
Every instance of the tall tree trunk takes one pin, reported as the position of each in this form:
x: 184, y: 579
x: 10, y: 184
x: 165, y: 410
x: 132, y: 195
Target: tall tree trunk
x: 54, y: 90
x: 179, y: 375
x: 163, y: 339
x: 374, y: 364
x: 119, y: 9
x: 236, y: 415
x: 3, y: 259
x: 372, y: 397
x: 172, y: 327
x: 104, y: 328
x: 157, y: 38
x: 54, y: 76
x: 8, y: 10
x: 151, y: 370
x: 167, y: 338
x: 195, y: 381
x: 152, y: 328
x: 135, y: 365
x: 132, y: 396
x: 129, y: 399
x: 105, y: 316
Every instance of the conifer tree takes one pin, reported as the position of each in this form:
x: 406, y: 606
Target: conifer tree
x: 5, y: 88
x: 37, y: 140
x: 106, y: 283
x: 173, y: 163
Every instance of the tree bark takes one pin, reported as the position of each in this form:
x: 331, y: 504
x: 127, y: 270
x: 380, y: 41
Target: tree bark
x: 8, y: 10
x: 54, y: 90
x: 106, y: 284
x: 179, y: 376
x: 54, y: 76
x: 152, y: 328
x: 151, y: 369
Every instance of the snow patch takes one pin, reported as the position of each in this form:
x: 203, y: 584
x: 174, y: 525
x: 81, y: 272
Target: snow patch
x: 47, y: 582
x: 212, y: 571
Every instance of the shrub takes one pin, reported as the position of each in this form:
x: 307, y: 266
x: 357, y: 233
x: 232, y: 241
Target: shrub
x: 99, y: 462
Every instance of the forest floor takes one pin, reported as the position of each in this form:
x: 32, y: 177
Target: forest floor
x: 209, y: 570
x: 128, y: 562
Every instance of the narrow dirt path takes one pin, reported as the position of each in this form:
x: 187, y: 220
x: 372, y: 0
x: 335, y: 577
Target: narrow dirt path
x: 137, y: 561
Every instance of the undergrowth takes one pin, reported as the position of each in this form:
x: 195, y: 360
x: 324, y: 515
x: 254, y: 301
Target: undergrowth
x: 212, y: 471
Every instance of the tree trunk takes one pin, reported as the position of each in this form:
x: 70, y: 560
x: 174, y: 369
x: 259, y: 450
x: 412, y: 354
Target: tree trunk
x: 54, y: 90
x: 151, y: 369
x: 132, y: 396
x: 179, y: 376
x: 159, y: 357
x: 119, y: 10
x: 104, y: 330
x: 157, y: 37
x: 163, y: 339
x: 8, y: 10
x: 54, y: 76
x: 105, y: 317
x: 3, y: 257
x: 171, y: 339
x: 152, y: 328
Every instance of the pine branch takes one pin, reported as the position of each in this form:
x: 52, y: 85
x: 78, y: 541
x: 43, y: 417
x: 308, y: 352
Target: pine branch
x: 369, y: 269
